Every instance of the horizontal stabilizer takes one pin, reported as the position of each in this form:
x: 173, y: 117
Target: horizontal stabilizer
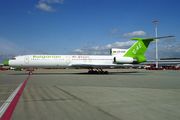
x: 151, y: 39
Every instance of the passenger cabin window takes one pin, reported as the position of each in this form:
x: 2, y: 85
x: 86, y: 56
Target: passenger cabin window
x: 13, y: 59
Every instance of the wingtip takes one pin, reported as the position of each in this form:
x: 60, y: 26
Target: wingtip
x: 171, y: 36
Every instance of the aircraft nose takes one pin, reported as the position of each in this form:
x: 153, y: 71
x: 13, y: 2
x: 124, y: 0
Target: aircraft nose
x: 6, y: 63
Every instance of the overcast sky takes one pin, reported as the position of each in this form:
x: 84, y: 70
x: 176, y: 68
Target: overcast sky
x: 86, y: 26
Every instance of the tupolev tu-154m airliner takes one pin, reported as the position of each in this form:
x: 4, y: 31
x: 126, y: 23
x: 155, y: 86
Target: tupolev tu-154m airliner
x: 118, y: 57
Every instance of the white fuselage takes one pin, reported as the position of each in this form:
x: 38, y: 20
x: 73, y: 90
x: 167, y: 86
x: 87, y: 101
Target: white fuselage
x: 58, y: 61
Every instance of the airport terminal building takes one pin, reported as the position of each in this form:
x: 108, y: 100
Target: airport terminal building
x: 164, y: 62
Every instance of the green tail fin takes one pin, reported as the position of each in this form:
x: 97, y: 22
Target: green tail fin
x: 138, y: 50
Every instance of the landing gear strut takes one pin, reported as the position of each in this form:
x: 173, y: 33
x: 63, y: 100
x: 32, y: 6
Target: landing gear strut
x: 98, y: 71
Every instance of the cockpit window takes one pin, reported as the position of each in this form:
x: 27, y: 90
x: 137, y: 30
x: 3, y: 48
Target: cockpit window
x: 13, y: 59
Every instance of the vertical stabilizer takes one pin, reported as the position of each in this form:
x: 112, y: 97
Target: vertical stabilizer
x: 138, y: 50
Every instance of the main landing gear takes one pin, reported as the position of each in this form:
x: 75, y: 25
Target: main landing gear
x: 98, y: 71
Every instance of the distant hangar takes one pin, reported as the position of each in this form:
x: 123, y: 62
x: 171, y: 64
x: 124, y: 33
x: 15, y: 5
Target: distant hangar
x: 164, y: 62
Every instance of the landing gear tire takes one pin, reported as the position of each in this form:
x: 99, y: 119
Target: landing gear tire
x: 30, y: 73
x: 97, y: 72
x: 106, y: 72
x: 102, y: 72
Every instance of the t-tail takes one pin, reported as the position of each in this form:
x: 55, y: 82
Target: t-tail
x: 135, y: 54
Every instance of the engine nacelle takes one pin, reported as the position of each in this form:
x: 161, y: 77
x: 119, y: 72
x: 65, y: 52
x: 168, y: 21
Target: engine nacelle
x: 124, y: 60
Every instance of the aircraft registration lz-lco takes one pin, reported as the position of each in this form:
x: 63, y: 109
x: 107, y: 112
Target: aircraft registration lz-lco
x: 118, y: 57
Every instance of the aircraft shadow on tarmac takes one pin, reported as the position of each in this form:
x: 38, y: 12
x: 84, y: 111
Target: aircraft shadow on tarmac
x: 81, y: 73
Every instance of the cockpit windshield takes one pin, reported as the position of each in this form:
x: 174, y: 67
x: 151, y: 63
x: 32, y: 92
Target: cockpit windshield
x: 13, y: 58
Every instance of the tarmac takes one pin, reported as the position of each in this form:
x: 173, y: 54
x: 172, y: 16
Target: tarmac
x: 72, y: 94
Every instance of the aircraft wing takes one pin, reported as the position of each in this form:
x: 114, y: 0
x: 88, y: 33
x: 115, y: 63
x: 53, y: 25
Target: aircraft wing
x: 79, y: 65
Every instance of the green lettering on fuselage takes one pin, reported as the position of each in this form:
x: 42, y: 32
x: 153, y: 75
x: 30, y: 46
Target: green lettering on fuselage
x: 46, y: 56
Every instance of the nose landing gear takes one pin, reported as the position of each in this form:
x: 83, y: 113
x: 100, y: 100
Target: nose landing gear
x: 30, y: 71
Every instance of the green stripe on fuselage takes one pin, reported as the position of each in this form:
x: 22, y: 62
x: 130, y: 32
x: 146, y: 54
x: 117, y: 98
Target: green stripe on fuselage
x: 46, y: 56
